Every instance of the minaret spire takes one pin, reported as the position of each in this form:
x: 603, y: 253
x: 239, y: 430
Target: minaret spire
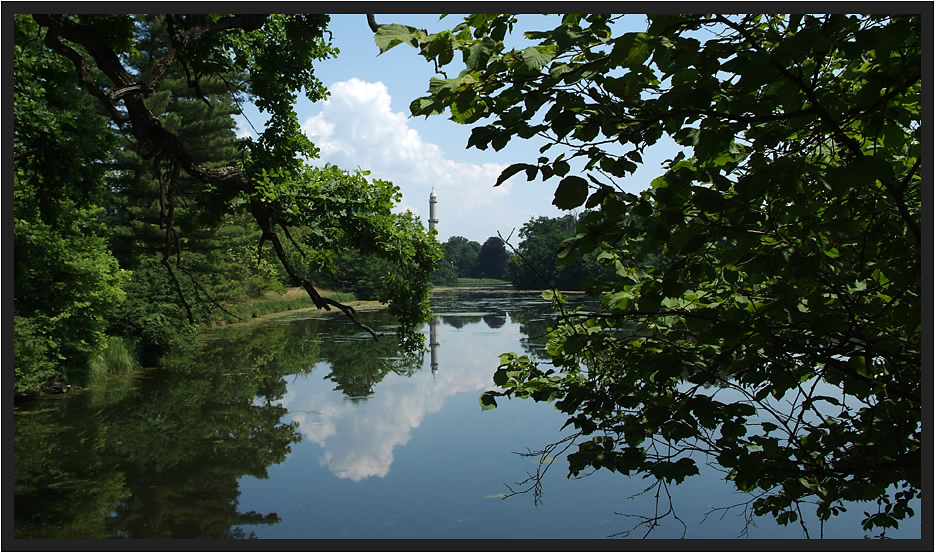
x: 433, y: 210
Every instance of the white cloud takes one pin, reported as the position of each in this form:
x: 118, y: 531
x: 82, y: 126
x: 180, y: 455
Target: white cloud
x: 242, y: 130
x: 356, y: 127
x: 358, y: 439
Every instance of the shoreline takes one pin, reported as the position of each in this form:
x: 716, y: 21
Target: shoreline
x: 298, y: 293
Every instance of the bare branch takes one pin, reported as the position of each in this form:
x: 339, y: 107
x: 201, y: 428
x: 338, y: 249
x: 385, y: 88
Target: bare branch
x: 195, y: 281
x: 652, y: 522
x: 181, y: 40
x: 372, y: 21
x: 84, y: 75
x: 285, y: 229
x: 546, y: 456
x: 263, y: 219
x: 178, y: 289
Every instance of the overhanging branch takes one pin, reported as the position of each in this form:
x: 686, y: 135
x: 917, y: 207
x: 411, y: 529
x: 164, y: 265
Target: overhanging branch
x: 162, y: 145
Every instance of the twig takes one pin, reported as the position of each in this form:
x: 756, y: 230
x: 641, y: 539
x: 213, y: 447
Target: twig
x: 555, y: 291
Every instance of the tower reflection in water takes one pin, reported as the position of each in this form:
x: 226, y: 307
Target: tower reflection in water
x: 433, y: 343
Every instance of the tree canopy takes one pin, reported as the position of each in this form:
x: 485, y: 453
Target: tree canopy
x: 781, y: 336
x: 492, y: 258
x: 126, y: 162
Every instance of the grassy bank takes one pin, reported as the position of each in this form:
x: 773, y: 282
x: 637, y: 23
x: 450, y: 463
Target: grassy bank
x: 290, y: 300
x: 115, y: 358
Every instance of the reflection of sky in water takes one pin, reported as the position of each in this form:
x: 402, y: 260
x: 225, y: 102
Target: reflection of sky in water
x: 418, y: 458
x: 358, y: 438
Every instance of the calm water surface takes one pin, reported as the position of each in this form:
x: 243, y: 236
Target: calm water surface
x: 302, y: 426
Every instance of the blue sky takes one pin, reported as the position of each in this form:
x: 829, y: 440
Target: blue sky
x: 366, y: 123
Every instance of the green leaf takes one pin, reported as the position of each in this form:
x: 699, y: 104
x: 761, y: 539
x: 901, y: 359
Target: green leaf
x: 512, y: 170
x: 707, y: 199
x: 561, y: 168
x: 475, y: 59
x: 571, y: 192
x: 631, y: 50
x: 597, y: 197
x: 536, y: 58
x: 574, y: 344
x: 488, y: 401
x: 563, y: 122
x: 480, y: 136
x: 392, y: 34
x: 426, y: 107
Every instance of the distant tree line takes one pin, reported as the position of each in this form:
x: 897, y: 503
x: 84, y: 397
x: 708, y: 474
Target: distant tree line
x: 533, y: 266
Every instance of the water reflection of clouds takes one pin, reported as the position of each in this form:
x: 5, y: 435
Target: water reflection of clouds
x: 358, y: 438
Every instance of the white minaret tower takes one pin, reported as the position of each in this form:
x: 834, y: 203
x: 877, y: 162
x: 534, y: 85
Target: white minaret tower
x: 433, y: 210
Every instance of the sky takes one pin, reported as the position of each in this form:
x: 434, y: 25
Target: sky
x: 365, y: 123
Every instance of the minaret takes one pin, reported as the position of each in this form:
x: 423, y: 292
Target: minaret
x: 433, y: 211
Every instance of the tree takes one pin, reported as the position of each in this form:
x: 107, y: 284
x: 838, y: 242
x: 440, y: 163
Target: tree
x: 66, y: 282
x: 445, y: 274
x: 462, y: 254
x: 536, y: 266
x: 221, y: 261
x: 789, y: 225
x: 492, y: 259
x: 362, y: 274
x: 273, y: 58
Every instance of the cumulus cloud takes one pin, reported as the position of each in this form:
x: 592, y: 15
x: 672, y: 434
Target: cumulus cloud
x: 357, y: 127
x: 358, y: 439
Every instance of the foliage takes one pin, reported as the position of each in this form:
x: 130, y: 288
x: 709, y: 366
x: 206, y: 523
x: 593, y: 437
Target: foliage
x: 163, y: 460
x: 32, y: 360
x: 160, y: 80
x: 460, y: 261
x: 152, y: 315
x: 362, y: 275
x: 60, y: 142
x: 445, y: 274
x: 462, y: 254
x: 117, y: 357
x: 781, y: 337
x: 66, y: 283
x: 535, y: 266
x: 221, y: 262
x: 492, y: 258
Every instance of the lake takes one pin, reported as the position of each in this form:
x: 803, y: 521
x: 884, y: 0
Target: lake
x: 302, y: 426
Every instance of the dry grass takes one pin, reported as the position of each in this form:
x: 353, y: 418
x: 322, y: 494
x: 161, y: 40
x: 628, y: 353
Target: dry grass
x: 294, y: 293
x: 296, y: 299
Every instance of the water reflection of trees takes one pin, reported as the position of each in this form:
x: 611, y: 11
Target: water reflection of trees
x: 460, y: 321
x: 495, y: 320
x: 162, y: 457
x: 533, y: 326
x: 163, y: 460
x: 358, y: 362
